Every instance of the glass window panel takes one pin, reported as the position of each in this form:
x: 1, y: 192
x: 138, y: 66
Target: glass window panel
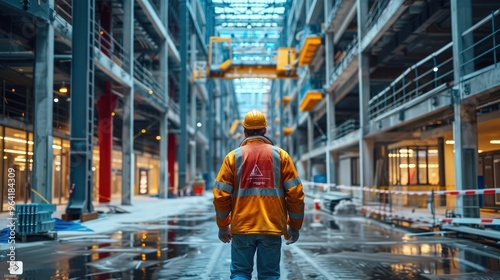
x: 422, y: 166
x: 404, y: 166
x: 433, y: 165
x: 412, y: 166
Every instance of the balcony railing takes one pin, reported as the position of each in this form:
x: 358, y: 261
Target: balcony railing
x: 16, y: 105
x: 344, y: 129
x: 63, y: 8
x: 485, y: 49
x: 428, y: 74
x: 110, y: 47
x: 146, y: 77
x: 374, y: 13
x: 346, y: 57
x: 333, y: 12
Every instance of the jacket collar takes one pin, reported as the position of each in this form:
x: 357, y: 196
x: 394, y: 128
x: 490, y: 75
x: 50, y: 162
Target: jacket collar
x: 256, y: 138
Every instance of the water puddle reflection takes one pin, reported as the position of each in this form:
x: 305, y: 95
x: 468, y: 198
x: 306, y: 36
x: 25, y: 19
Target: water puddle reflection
x: 186, y: 247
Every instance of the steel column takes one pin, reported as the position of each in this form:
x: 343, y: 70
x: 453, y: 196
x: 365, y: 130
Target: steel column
x: 465, y: 117
x: 82, y: 109
x: 211, y: 160
x: 193, y: 116
x: 365, y: 146
x: 44, y: 84
x: 105, y: 105
x: 128, y: 162
x: 331, y: 161
x: 183, y: 100
x: 164, y: 182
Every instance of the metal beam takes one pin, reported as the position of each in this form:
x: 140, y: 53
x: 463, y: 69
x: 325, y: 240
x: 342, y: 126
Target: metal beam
x: 182, y: 155
x: 43, y: 80
x: 82, y: 110
x: 164, y: 176
x: 128, y: 163
x: 160, y: 28
x: 196, y: 27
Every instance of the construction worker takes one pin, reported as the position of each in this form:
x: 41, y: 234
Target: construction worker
x: 258, y: 197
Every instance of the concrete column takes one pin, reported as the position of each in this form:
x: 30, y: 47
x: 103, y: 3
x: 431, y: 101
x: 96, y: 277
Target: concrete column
x: 465, y: 118
x: 128, y: 162
x: 164, y: 182
x: 329, y: 46
x: 330, y: 128
x: 461, y: 19
x: 41, y: 186
x: 365, y: 146
x: 310, y: 145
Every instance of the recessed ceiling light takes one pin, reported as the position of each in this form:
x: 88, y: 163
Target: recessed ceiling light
x: 450, y: 142
x: 495, y: 142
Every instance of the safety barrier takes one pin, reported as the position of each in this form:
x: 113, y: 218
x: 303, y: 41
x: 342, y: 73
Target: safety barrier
x: 391, y: 212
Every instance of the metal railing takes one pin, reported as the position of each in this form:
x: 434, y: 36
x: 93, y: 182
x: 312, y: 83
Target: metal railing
x: 485, y: 49
x: 428, y: 74
x: 348, y: 55
x: 146, y: 77
x: 374, y: 13
x: 344, y: 129
x: 64, y: 9
x: 16, y: 105
x: 110, y: 47
x: 319, y: 141
x: 333, y: 12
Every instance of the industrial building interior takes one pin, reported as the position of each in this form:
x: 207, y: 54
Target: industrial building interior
x: 393, y: 102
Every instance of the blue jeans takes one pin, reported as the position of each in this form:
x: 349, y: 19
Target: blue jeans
x: 243, y: 248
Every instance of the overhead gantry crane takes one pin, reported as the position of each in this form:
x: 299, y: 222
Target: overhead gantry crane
x: 221, y: 65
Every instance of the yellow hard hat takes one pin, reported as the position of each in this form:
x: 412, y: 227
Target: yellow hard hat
x: 254, y: 120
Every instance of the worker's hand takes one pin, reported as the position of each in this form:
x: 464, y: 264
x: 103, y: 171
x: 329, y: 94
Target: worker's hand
x: 292, y: 234
x: 225, y: 234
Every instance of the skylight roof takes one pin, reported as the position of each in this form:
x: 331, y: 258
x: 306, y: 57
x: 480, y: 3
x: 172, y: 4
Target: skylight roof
x: 256, y: 28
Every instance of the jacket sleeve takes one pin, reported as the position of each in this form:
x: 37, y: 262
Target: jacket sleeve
x: 294, y: 194
x: 222, y: 191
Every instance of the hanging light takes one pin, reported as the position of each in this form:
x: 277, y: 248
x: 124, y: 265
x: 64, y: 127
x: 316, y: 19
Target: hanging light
x: 63, y: 88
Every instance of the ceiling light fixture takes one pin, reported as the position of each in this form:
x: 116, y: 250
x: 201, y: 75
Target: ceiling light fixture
x: 495, y: 142
x: 63, y: 88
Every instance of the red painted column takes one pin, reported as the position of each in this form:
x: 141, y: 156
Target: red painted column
x: 172, y: 145
x: 106, y: 104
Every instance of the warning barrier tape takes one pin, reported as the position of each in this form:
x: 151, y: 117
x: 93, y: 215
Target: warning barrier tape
x: 476, y: 221
x: 398, y: 192
x: 471, y: 221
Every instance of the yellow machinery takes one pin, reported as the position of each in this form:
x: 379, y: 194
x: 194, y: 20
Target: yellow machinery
x: 221, y: 65
x: 310, y: 99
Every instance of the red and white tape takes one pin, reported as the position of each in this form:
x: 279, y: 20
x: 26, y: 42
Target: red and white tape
x: 398, y: 192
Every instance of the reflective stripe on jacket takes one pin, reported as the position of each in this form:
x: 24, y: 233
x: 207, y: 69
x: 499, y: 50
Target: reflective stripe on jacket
x: 258, y: 190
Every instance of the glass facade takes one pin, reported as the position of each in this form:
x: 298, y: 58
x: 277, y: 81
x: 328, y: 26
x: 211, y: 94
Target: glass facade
x: 414, y: 166
x: 16, y: 148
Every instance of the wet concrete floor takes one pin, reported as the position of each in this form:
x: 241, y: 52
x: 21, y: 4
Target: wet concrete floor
x: 186, y: 247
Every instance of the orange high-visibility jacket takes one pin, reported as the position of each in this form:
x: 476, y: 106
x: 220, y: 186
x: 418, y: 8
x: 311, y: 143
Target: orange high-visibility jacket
x: 258, y: 190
